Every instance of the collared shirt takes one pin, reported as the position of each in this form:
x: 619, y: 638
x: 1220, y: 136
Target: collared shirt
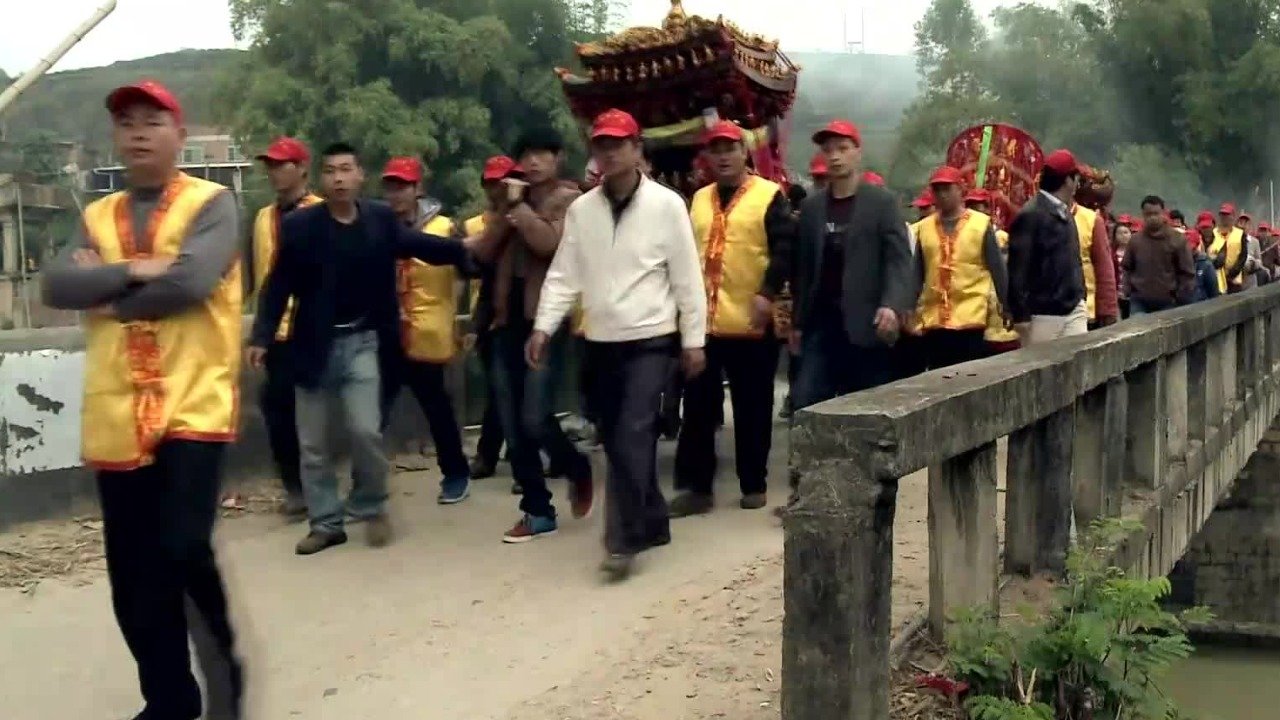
x: 1061, y: 207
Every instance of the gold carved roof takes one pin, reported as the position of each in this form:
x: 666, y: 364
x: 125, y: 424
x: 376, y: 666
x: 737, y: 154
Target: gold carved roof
x: 677, y: 28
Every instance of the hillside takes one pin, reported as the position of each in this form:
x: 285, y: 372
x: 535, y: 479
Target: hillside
x: 67, y: 105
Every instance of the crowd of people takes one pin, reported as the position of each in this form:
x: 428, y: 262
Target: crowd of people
x: 673, y: 298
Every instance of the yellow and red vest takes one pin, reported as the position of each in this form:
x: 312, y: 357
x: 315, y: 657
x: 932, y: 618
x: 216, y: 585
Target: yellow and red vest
x: 996, y: 331
x: 957, y: 283
x: 1233, y: 242
x: 1085, y: 220
x: 734, y: 247
x: 172, y: 379
x: 266, y: 239
x: 912, y: 326
x: 428, y: 303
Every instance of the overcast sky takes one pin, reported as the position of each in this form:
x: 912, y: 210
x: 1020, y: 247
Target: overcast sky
x: 139, y: 28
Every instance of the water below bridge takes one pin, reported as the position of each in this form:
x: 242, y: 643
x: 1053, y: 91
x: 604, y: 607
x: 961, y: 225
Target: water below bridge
x: 1223, y: 684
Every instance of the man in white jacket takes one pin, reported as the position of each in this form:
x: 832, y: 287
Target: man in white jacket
x: 628, y: 250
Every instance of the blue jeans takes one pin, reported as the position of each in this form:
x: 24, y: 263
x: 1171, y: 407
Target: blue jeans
x: 832, y: 366
x: 351, y: 377
x: 524, y: 398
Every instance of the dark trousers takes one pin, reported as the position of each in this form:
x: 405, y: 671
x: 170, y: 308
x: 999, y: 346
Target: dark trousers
x: 944, y: 348
x: 426, y: 382
x: 524, y: 398
x: 832, y: 366
x: 157, y: 523
x: 630, y: 378
x: 909, y: 356
x: 750, y: 366
x: 277, y: 404
x: 489, y: 446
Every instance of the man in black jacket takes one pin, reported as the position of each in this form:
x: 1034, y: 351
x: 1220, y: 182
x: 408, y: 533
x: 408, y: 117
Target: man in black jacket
x: 1046, y: 277
x: 337, y: 260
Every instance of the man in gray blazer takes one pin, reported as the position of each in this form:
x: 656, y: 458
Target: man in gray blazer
x: 853, y: 277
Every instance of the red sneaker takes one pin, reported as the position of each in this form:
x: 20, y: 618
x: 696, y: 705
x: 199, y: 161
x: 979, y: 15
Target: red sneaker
x: 582, y: 495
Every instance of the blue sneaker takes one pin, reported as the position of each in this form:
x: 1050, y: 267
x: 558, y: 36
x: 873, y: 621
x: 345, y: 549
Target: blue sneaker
x: 454, y: 490
x: 530, y: 527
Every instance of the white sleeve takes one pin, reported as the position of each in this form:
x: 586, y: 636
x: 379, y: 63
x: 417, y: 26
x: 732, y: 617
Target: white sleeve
x: 685, y: 273
x: 562, y: 284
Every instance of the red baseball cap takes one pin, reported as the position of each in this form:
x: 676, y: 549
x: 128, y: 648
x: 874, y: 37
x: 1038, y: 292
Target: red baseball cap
x: 1204, y: 217
x: 404, y: 169
x: 818, y: 165
x: 498, y: 167
x: 925, y: 199
x: 1264, y: 227
x: 838, y: 128
x: 1245, y: 214
x: 1136, y: 223
x: 873, y: 178
x: 1124, y: 219
x: 287, y: 149
x: 1227, y: 209
x: 1204, y: 223
x: 978, y: 195
x: 149, y: 92
x: 1062, y: 162
x: 615, y: 124
x: 723, y: 130
x: 946, y: 175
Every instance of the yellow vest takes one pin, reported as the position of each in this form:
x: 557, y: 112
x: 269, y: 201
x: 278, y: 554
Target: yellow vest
x: 1234, y: 243
x: 428, y: 303
x: 913, y: 326
x: 266, y: 232
x: 957, y: 283
x: 996, y: 331
x: 735, y: 253
x: 1085, y: 219
x: 171, y: 379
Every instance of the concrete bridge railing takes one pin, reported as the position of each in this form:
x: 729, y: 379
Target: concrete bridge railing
x: 1151, y: 419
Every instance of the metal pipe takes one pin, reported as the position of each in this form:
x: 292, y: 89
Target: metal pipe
x: 28, y: 78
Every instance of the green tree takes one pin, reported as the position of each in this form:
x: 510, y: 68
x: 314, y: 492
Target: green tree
x: 950, y: 41
x: 449, y: 81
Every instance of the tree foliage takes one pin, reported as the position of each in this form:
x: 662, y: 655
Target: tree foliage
x: 1176, y: 96
x: 450, y: 81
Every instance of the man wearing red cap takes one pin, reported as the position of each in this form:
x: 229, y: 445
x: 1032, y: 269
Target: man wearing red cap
x: 1206, y: 285
x: 1228, y: 250
x: 157, y: 267
x: 959, y: 266
x: 744, y: 229
x: 520, y: 246
x: 489, y: 446
x: 818, y: 172
x: 1253, y: 253
x: 924, y: 204
x: 428, y: 317
x: 1046, y: 276
x: 999, y: 336
x: 287, y: 163
x: 337, y: 260
x: 629, y: 253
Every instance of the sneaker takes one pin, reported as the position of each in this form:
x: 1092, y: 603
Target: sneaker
x: 377, y: 532
x: 691, y: 503
x: 454, y: 490
x: 754, y: 501
x: 530, y: 527
x: 481, y: 469
x: 582, y: 493
x: 318, y: 540
x: 618, y: 566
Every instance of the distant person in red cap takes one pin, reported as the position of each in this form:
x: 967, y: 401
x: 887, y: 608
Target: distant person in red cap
x: 629, y: 253
x: 745, y: 230
x: 287, y: 162
x: 924, y: 204
x: 489, y: 446
x: 853, y: 278
x: 959, y: 265
x: 519, y: 246
x: 337, y: 261
x: 1228, y: 249
x: 1206, y: 286
x: 1253, y: 253
x: 428, y: 317
x: 1266, y: 253
x: 157, y: 269
x: 1159, y: 271
x: 818, y: 172
x: 1046, y: 277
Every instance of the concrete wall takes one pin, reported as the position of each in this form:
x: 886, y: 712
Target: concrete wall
x: 1233, y: 565
x: 41, y: 381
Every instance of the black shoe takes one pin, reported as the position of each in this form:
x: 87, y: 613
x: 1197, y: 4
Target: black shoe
x: 690, y: 503
x: 618, y: 566
x: 481, y: 469
x: 517, y: 489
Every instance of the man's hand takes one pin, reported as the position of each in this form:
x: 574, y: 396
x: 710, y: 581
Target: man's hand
x: 793, y: 341
x: 255, y: 357
x: 84, y: 257
x: 887, y: 325
x: 536, y: 349
x: 761, y: 312
x: 521, y: 215
x: 146, y: 269
x: 694, y: 361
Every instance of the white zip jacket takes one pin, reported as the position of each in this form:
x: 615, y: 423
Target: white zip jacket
x: 638, y: 278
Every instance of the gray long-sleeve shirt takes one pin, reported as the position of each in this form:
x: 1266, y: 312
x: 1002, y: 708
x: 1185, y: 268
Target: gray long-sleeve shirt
x: 207, y: 252
x: 991, y: 256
